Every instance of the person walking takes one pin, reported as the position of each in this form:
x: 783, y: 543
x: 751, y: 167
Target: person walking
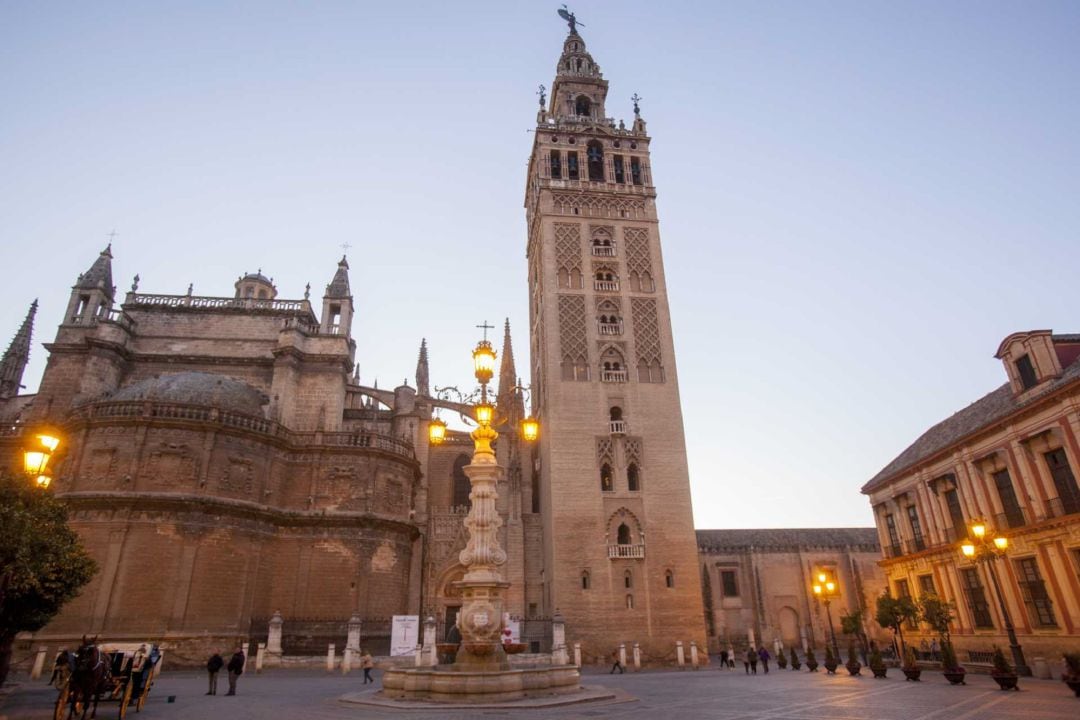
x: 723, y: 659
x: 751, y: 660
x: 213, y: 665
x: 764, y: 656
x: 617, y: 664
x: 367, y: 663
x: 731, y: 656
x: 235, y: 668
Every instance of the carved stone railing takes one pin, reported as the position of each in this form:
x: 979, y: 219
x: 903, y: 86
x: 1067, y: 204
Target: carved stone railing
x: 613, y: 376
x: 606, y: 285
x: 618, y: 427
x: 626, y: 551
x: 241, y: 421
x: 609, y: 328
x: 603, y: 251
x: 199, y: 302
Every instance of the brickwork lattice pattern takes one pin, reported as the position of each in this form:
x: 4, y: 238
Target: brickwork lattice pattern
x: 568, y: 247
x: 572, y: 340
x: 646, y: 331
x: 638, y: 260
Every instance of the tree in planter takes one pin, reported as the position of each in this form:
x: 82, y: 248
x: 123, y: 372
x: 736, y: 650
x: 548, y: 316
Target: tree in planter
x: 1003, y: 673
x: 795, y: 664
x: 936, y: 613
x: 42, y: 562
x: 911, y: 668
x: 1071, y: 676
x: 852, y: 624
x: 853, y: 665
x: 811, y: 660
x: 877, y: 665
x: 892, y: 613
x: 830, y: 660
x: 781, y: 659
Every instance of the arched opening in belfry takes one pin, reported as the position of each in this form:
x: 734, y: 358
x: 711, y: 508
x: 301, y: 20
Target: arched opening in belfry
x: 583, y: 106
x: 594, y: 154
x: 622, y: 535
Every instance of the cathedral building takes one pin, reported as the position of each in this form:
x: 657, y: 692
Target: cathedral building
x: 225, y: 463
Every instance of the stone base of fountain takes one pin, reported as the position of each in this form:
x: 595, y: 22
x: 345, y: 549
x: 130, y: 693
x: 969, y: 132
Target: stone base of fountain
x: 455, y: 685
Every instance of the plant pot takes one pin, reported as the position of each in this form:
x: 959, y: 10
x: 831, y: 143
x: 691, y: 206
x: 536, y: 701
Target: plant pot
x: 781, y: 665
x: 514, y: 648
x: 831, y: 666
x: 912, y: 673
x: 853, y: 667
x: 879, y: 671
x: 1074, y: 685
x: 955, y: 676
x: 796, y: 666
x: 1006, y: 681
x: 812, y: 665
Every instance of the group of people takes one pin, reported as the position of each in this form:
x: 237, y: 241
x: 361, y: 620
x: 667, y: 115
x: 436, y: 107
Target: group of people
x: 750, y: 660
x: 235, y: 669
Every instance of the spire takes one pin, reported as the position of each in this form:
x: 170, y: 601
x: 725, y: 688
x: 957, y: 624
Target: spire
x: 339, y: 286
x: 422, y: 387
x: 99, y: 276
x: 580, y: 90
x: 507, y: 397
x: 15, y: 358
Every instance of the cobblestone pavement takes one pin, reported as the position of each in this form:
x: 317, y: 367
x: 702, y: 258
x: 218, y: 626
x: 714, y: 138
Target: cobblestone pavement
x: 711, y: 693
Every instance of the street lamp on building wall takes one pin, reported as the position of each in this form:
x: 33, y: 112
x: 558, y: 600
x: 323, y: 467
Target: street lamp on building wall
x: 39, y: 448
x: 826, y: 589
x: 984, y: 546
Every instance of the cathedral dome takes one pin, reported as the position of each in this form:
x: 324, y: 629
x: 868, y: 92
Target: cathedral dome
x: 196, y: 388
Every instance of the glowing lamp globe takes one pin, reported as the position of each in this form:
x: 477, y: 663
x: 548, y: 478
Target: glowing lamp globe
x: 43, y: 481
x: 37, y: 453
x: 968, y: 548
x: 483, y: 361
x: 817, y: 589
x: 484, y: 413
x: 1001, y: 543
x: 436, y: 431
x: 822, y: 577
x: 978, y: 530
x: 530, y: 429
x: 830, y: 586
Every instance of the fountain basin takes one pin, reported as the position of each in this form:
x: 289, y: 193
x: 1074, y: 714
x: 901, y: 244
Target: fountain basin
x: 448, y: 685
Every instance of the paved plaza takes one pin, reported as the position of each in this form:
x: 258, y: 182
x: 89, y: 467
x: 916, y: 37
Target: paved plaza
x: 671, y: 695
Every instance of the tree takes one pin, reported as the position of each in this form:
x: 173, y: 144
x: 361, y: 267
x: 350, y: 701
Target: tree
x: 892, y: 613
x: 42, y: 562
x: 936, y: 613
x: 852, y: 624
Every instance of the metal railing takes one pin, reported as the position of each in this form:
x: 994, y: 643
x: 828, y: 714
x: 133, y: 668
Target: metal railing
x: 916, y: 544
x: 1011, y: 518
x: 626, y: 551
x: 892, y: 551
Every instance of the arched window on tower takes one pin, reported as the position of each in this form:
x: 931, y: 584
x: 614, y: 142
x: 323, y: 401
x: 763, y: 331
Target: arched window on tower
x: 586, y: 580
x: 572, y: 166
x: 582, y: 106
x: 594, y: 154
x: 669, y: 579
x: 622, y: 535
x: 462, y: 487
x: 615, y: 417
x: 633, y: 478
x: 556, y: 165
x: 628, y: 579
x: 612, y: 367
x: 607, y: 478
x: 629, y: 602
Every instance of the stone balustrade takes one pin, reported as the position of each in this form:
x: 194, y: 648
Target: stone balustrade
x: 200, y: 302
x: 622, y: 552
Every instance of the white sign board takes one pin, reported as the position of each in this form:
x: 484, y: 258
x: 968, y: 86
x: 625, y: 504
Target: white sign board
x: 511, y: 629
x: 404, y: 634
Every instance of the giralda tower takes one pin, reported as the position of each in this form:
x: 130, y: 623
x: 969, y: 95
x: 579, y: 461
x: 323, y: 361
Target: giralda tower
x: 619, y: 550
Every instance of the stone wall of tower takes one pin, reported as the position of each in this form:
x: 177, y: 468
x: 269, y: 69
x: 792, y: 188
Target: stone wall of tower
x: 602, y: 344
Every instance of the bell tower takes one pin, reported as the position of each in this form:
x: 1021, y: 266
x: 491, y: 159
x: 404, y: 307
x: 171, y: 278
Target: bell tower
x: 620, y: 553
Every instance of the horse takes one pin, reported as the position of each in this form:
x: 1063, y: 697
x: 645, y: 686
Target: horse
x: 89, y: 678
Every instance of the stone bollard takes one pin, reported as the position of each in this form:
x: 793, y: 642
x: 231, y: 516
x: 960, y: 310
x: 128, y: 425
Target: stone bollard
x: 559, y: 655
x: 346, y: 661
x: 330, y: 652
x: 622, y: 654
x: 418, y: 655
x: 431, y: 653
x: 577, y: 654
x: 693, y: 654
x: 273, y: 640
x: 39, y: 663
x: 637, y: 657
x: 680, y: 654
x: 353, y: 641
x: 1041, y: 669
x: 260, y: 657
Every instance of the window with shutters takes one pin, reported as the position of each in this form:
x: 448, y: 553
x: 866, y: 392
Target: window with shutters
x: 956, y: 514
x: 1026, y: 370
x: 1011, y: 514
x: 1064, y: 481
x: 975, y: 597
x: 1032, y: 588
x: 729, y: 583
x: 904, y: 591
x: 894, y: 536
x: 926, y: 585
x: 917, y: 542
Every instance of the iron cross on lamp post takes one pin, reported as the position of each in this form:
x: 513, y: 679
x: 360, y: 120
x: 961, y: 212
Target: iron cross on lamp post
x: 984, y: 546
x: 826, y: 589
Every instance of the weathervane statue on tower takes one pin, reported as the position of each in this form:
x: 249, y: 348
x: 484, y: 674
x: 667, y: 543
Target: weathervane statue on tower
x: 571, y: 20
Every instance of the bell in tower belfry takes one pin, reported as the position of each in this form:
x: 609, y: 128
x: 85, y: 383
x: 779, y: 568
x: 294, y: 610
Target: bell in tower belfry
x: 613, y: 484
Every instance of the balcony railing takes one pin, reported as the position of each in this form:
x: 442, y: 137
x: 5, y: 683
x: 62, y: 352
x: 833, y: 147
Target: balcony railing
x: 606, y: 285
x: 893, y: 551
x: 609, y: 328
x: 618, y: 427
x: 613, y: 376
x: 603, y: 250
x: 916, y: 544
x: 625, y: 551
x: 1011, y: 518
x: 1056, y: 507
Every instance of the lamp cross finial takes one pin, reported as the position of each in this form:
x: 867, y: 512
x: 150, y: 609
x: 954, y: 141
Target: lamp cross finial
x: 345, y: 246
x: 485, y: 327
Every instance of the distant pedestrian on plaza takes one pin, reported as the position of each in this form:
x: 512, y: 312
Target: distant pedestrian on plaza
x: 731, y: 656
x: 764, y: 656
x: 618, y: 662
x: 213, y: 665
x: 751, y: 660
x: 723, y: 659
x: 367, y: 664
x: 934, y: 649
x: 236, y: 669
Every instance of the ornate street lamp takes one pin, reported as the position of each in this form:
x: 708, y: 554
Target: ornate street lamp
x: 37, y: 451
x: 826, y: 589
x: 984, y: 546
x: 436, y: 431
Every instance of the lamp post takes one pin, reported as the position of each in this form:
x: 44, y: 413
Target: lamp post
x: 984, y: 546
x: 38, y: 449
x: 481, y: 618
x: 826, y: 589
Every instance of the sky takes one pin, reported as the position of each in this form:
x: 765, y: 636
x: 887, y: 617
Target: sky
x: 858, y: 200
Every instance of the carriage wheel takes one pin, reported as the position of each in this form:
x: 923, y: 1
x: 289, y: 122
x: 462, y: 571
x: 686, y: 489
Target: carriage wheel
x: 145, y: 691
x: 125, y: 698
x: 61, y: 703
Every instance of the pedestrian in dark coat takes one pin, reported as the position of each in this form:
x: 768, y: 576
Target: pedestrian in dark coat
x: 764, y: 656
x: 752, y: 658
x: 618, y: 663
x: 723, y: 658
x: 213, y: 665
x: 236, y: 669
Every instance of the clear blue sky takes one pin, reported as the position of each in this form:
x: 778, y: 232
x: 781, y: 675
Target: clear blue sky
x: 858, y: 200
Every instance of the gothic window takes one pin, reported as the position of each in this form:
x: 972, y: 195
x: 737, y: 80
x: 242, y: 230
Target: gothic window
x: 669, y: 579
x: 84, y: 302
x: 605, y: 280
x: 635, y: 171
x: 620, y: 170
x: 586, y: 580
x: 461, y: 482
x: 556, y: 165
x: 633, y: 478
x: 1026, y: 371
x: 572, y: 165
x: 612, y: 366
x: 615, y: 414
x: 602, y: 244
x: 622, y: 535
x: 335, y: 318
x: 607, y: 481
x: 594, y: 154
x: 628, y: 579
x: 575, y: 369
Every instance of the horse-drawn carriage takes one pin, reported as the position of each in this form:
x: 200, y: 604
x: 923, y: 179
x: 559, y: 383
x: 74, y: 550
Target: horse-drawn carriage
x: 92, y: 673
